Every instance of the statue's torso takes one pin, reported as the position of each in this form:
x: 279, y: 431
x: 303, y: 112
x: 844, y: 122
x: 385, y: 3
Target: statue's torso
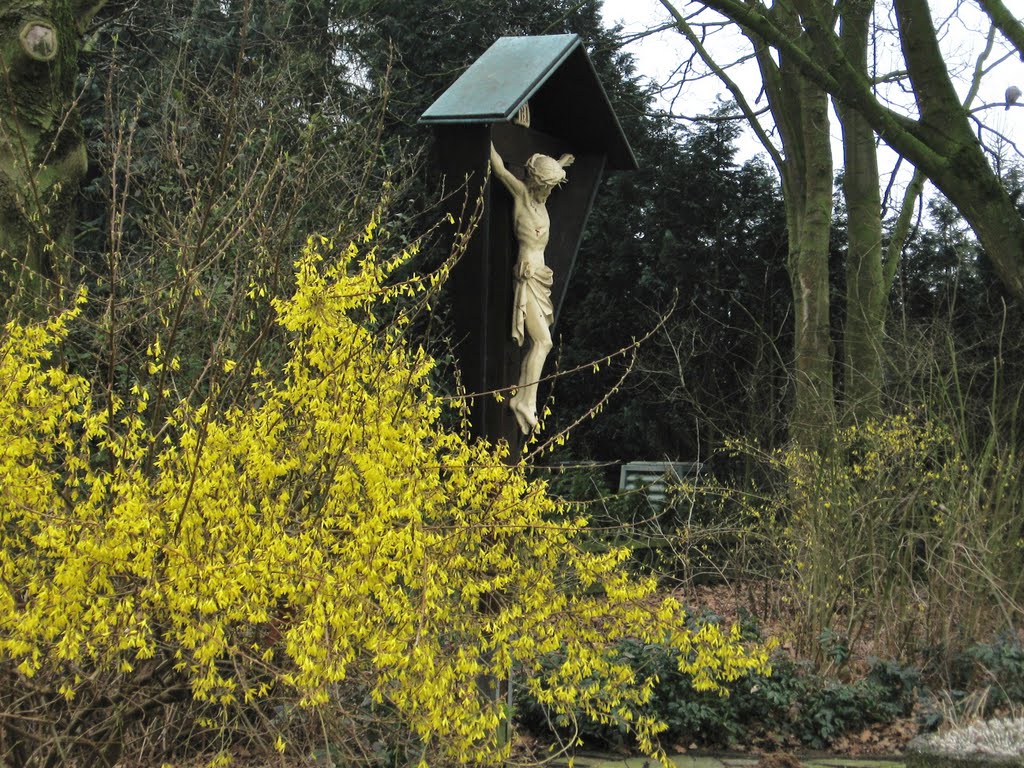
x: 532, y: 228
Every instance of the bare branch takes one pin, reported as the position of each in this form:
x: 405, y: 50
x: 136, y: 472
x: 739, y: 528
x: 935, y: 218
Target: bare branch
x: 737, y: 93
x: 1006, y: 22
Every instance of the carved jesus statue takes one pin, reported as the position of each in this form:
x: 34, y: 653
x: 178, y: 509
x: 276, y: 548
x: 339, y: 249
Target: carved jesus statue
x: 532, y: 312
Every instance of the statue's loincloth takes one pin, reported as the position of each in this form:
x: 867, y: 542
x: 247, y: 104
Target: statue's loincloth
x: 532, y: 284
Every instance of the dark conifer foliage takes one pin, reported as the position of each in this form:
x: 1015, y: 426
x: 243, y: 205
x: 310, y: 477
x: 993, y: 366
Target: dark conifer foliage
x: 427, y: 45
x: 700, y: 235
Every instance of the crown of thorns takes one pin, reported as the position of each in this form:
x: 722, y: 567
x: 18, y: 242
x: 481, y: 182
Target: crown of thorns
x: 545, y: 170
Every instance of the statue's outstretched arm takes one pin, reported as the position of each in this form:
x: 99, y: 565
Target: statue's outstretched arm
x: 566, y: 160
x: 512, y: 184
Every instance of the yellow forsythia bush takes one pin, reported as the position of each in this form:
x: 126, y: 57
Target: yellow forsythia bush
x: 329, y: 521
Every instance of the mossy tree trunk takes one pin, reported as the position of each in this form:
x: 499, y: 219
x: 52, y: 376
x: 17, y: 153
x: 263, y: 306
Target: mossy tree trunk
x: 809, y: 217
x: 42, y: 153
x: 866, y: 287
x: 800, y: 110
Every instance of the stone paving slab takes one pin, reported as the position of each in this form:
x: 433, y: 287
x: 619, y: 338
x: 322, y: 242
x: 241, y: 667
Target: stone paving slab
x: 747, y: 761
x: 849, y: 762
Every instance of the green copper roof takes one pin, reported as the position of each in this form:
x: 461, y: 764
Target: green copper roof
x: 498, y: 83
x: 553, y: 73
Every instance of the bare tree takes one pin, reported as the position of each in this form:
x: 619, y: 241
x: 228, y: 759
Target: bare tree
x: 799, y: 108
x: 801, y: 122
x: 936, y: 134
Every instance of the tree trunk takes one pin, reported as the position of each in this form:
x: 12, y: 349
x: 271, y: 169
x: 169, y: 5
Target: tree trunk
x: 42, y: 153
x: 800, y: 110
x: 866, y: 289
x: 809, y: 214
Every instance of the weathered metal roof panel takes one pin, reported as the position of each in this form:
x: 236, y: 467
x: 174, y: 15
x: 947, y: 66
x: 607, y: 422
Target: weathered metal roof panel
x: 552, y: 72
x: 498, y: 83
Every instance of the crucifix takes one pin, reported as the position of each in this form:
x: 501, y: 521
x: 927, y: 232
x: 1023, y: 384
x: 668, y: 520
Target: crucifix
x: 510, y: 127
x: 532, y: 310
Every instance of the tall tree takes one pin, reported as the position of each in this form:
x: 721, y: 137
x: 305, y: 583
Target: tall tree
x: 42, y: 153
x: 870, y: 266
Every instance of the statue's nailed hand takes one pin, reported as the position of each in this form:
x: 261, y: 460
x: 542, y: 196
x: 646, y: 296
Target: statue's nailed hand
x: 566, y: 160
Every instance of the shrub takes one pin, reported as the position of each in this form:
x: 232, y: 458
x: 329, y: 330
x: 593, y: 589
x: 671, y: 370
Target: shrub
x: 214, y: 580
x: 999, y: 665
x: 900, y: 528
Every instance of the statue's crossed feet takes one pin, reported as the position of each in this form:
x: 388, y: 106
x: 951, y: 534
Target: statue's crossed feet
x: 526, y: 414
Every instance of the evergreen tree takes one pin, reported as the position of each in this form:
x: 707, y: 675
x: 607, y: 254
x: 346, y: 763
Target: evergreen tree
x: 694, y: 231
